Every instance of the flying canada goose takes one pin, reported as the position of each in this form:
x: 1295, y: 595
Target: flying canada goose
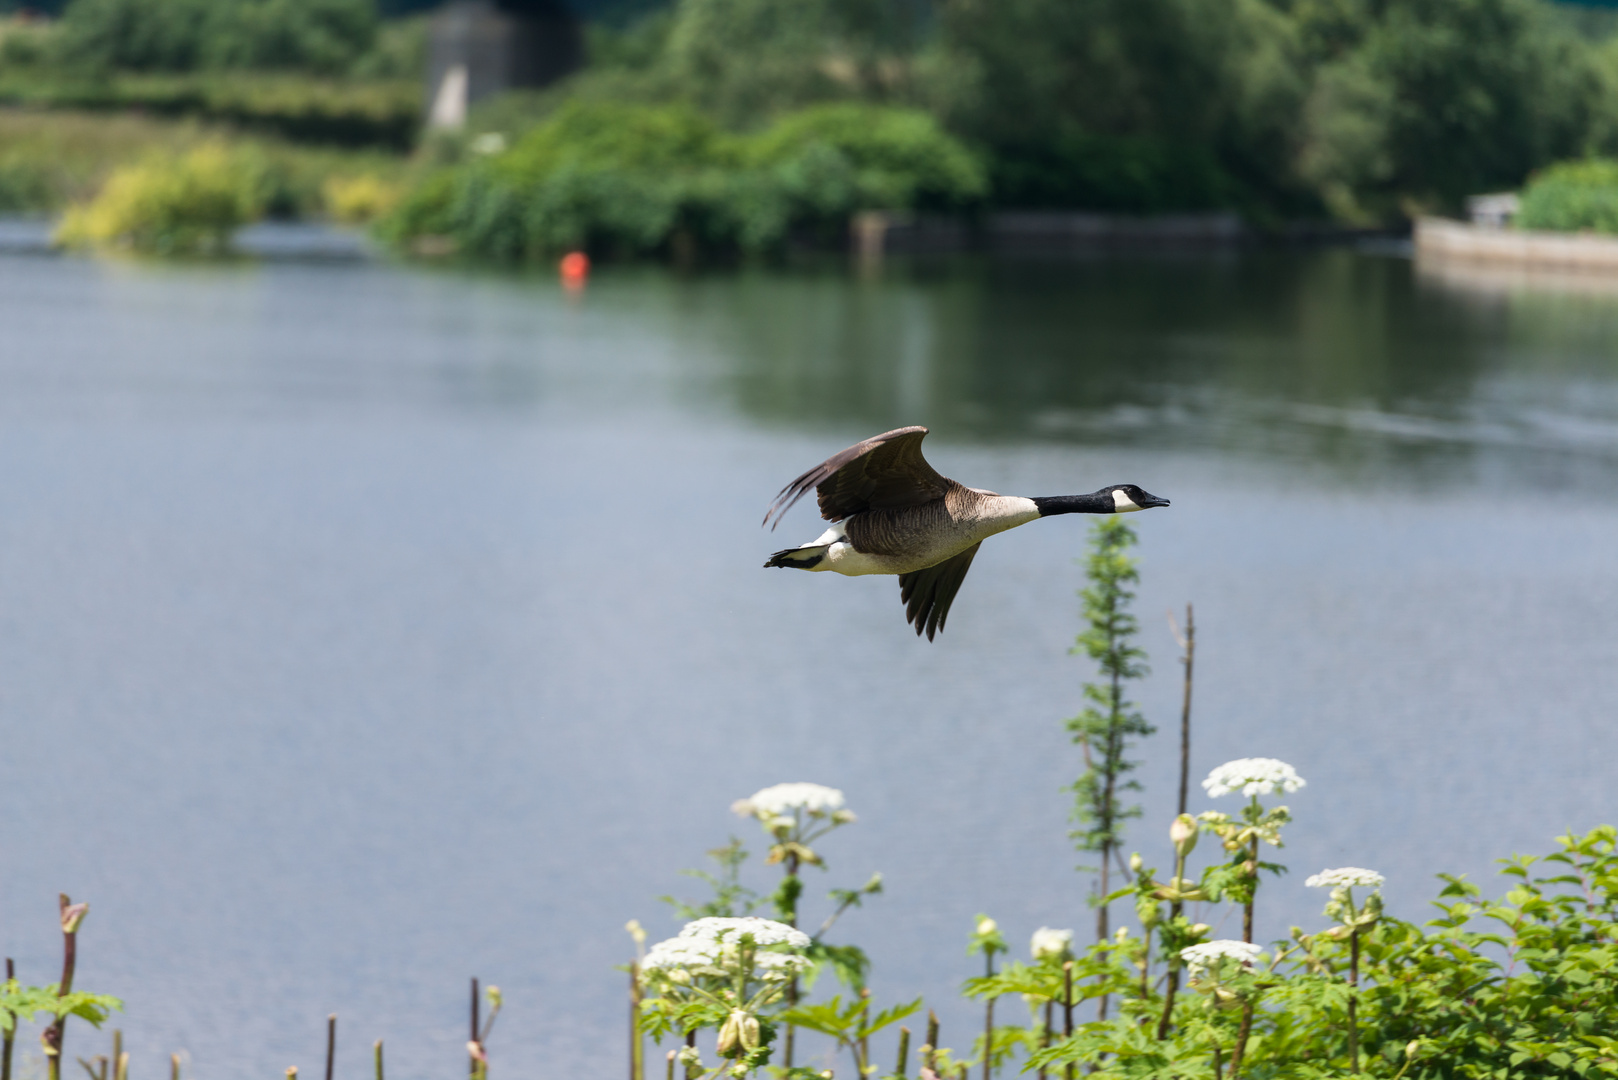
x: 894, y: 514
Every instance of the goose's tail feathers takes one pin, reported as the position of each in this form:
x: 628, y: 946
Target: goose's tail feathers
x: 799, y: 558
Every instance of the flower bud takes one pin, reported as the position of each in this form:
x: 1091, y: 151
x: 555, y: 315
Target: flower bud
x: 1200, y: 929
x: 730, y: 1034
x: 987, y: 926
x: 1135, y: 863
x: 475, y: 1049
x: 636, y: 931
x: 72, y: 916
x: 843, y: 817
x: 1413, y: 1048
x: 494, y: 997
x: 1183, y: 834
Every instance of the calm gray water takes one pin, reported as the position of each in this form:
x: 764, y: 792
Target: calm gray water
x: 364, y: 628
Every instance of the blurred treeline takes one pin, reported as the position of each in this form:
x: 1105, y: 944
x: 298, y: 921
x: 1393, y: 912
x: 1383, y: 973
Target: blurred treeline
x: 1362, y: 112
x: 1359, y: 110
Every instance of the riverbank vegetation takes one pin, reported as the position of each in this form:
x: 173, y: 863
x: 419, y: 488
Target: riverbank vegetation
x: 1361, y: 113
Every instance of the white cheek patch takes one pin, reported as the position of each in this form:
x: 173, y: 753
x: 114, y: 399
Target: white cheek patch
x: 1121, y: 503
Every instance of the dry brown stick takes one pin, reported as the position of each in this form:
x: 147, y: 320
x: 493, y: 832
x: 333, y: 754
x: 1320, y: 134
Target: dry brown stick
x: 331, y: 1044
x: 11, y: 1033
x: 636, y: 1069
x: 473, y: 1038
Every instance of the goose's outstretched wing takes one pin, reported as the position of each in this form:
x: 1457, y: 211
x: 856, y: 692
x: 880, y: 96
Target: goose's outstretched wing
x: 928, y: 593
x: 885, y: 472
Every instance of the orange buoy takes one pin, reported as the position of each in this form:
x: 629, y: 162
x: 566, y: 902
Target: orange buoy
x: 575, y: 268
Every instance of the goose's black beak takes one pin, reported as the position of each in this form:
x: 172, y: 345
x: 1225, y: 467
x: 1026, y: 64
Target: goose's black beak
x: 1151, y: 501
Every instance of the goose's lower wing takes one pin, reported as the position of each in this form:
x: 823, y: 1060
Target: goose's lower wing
x: 927, y: 594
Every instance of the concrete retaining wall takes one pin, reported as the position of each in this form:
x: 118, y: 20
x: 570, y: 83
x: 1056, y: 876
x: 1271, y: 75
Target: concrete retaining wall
x: 1437, y: 238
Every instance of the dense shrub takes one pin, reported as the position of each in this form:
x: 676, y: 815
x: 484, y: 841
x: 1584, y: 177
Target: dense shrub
x: 192, y: 204
x: 325, y: 36
x: 1574, y: 195
x: 637, y: 178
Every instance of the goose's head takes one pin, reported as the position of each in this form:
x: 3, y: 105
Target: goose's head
x: 1127, y: 498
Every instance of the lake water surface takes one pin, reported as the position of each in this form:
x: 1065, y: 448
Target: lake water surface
x: 367, y: 628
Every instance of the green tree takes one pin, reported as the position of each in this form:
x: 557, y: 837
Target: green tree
x: 1418, y: 103
x: 321, y: 36
x: 1109, y: 720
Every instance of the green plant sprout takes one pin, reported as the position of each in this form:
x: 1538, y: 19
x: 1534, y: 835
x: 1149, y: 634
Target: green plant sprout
x: 852, y: 1025
x: 1109, y: 720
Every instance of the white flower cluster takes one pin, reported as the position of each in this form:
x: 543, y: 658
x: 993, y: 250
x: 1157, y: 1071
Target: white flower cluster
x: 706, y: 943
x: 782, y: 799
x: 680, y: 952
x: 729, y: 931
x: 1048, y: 942
x: 1201, y: 957
x: 1252, y: 776
x: 1347, y: 875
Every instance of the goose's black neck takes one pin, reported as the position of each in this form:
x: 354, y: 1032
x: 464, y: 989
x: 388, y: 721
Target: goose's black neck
x: 1099, y: 503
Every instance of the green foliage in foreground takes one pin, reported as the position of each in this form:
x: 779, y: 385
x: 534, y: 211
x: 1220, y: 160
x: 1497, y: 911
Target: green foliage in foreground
x: 640, y: 178
x: 1572, y: 196
x: 1520, y: 987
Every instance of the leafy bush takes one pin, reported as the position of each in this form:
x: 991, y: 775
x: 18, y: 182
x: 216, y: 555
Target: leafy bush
x: 639, y: 178
x: 323, y: 36
x: 1531, y: 993
x: 1572, y: 196
x: 359, y: 199
x: 193, y: 204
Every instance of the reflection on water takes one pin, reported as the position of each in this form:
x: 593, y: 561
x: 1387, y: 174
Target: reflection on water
x: 1344, y: 360
x: 364, y: 628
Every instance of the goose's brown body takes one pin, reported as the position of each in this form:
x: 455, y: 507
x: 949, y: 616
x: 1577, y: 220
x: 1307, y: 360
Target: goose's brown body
x: 895, y: 515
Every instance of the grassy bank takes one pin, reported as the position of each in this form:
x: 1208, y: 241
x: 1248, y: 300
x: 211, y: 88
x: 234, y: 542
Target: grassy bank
x: 52, y: 159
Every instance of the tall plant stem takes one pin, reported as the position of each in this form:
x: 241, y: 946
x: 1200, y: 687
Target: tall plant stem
x: 1219, y: 1065
x: 378, y: 1055
x: 1353, y: 1001
x: 637, y: 1068
x: 1172, y: 985
x: 1189, y: 643
x: 865, y: 1040
x: 11, y: 1033
x: 1252, y: 895
x: 53, y: 1037
x: 904, y: 1052
x: 792, y: 986
x: 331, y: 1044
x: 1045, y: 1033
x: 474, y: 1036
x: 1067, y: 1010
x: 931, y: 1060
x: 1239, y: 1051
x: 988, y: 1016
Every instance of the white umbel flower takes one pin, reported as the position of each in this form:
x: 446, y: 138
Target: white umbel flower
x: 682, y: 952
x: 728, y: 931
x: 1048, y: 942
x: 1253, y: 776
x: 1201, y: 957
x: 1352, y: 876
x: 782, y: 799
